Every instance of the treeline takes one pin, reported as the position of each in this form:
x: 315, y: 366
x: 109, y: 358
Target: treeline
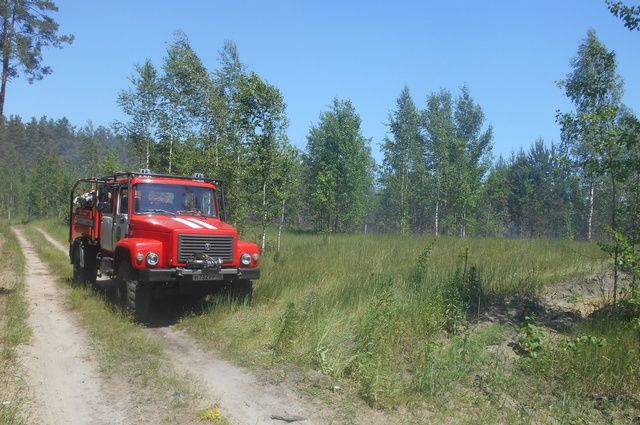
x: 438, y: 174
x: 41, y: 158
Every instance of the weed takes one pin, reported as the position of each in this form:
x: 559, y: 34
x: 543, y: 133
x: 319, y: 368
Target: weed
x: 288, y: 329
x: 213, y: 415
x: 530, y: 337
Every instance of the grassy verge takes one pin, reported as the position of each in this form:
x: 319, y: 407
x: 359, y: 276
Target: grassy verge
x: 122, y: 347
x: 14, y: 330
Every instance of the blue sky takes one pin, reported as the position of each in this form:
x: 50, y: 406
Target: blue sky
x: 509, y: 53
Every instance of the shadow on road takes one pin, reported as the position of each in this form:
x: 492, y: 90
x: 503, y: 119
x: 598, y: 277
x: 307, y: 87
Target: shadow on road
x: 166, y: 310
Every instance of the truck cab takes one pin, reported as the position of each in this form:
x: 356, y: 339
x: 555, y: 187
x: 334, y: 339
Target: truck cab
x: 154, y: 233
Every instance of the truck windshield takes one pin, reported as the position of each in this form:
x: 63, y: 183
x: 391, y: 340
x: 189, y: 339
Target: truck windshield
x: 173, y: 199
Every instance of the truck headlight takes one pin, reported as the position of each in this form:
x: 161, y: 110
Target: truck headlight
x: 152, y: 258
x: 245, y: 259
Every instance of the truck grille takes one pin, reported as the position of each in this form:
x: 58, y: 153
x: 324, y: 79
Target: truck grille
x: 218, y: 247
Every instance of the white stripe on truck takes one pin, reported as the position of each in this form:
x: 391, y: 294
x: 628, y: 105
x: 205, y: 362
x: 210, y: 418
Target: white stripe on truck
x: 202, y: 223
x: 188, y: 223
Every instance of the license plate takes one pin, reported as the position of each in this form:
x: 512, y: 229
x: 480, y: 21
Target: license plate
x: 206, y: 276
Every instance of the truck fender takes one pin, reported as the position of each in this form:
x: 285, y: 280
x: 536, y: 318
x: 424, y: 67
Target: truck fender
x: 129, y: 248
x: 250, y: 248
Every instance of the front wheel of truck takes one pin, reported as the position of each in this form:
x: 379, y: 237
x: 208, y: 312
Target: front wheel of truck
x: 241, y: 290
x: 131, y: 294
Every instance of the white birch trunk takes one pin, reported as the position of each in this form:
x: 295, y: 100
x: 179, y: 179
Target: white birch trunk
x: 437, y: 211
x: 264, y: 216
x: 170, y: 151
x: 280, y: 225
x: 590, y: 220
x: 148, y: 141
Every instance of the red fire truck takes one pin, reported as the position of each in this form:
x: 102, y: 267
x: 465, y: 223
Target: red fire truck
x: 153, y: 232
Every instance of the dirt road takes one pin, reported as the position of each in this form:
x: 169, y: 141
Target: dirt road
x: 243, y: 398
x: 67, y: 385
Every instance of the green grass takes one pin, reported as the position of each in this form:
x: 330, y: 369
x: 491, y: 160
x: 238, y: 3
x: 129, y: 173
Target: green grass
x: 386, y: 318
x: 14, y: 330
x: 123, y: 348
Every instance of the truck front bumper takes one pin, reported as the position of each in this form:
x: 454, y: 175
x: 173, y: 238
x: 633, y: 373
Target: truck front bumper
x: 182, y: 275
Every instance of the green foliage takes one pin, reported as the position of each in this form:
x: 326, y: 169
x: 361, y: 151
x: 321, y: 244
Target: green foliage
x: 47, y: 185
x: 287, y: 329
x: 457, y: 152
x: 530, y: 337
x: 373, y: 354
x: 630, y: 15
x: 601, y: 358
x: 229, y: 124
x: 339, y: 169
x: 404, y: 169
x: 140, y: 103
x: 444, y: 364
x: 27, y: 28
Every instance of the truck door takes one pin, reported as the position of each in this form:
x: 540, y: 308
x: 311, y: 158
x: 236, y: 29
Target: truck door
x: 121, y: 219
x: 107, y: 204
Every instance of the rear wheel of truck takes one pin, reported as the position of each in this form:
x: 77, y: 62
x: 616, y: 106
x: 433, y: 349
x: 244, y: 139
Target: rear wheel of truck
x: 84, y: 264
x: 131, y: 294
x: 241, y: 290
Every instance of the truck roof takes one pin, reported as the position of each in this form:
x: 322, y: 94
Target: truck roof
x: 168, y: 178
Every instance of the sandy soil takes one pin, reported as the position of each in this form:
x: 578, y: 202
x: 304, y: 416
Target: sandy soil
x: 243, y: 397
x: 67, y: 386
x: 559, y: 306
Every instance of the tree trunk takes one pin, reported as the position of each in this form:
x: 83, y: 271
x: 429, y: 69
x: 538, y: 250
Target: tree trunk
x: 463, y: 228
x: 280, y: 225
x: 613, y: 229
x: 148, y: 141
x: 264, y: 216
x: 170, y: 150
x: 590, y: 220
x: 7, y: 35
x: 402, y: 222
x: 437, y: 210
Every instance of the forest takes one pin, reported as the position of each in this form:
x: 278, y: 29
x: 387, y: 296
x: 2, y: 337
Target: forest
x: 438, y: 175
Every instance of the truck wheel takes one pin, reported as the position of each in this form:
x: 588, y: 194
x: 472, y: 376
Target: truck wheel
x: 131, y: 294
x: 84, y: 264
x: 78, y: 264
x: 241, y: 290
x: 90, y: 265
x: 122, y: 275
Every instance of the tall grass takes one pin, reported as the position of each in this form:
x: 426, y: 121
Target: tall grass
x: 382, y: 310
x: 14, y: 330
x: 388, y: 316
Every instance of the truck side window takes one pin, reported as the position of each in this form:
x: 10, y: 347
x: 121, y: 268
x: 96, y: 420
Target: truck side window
x: 106, y: 199
x: 123, y: 201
